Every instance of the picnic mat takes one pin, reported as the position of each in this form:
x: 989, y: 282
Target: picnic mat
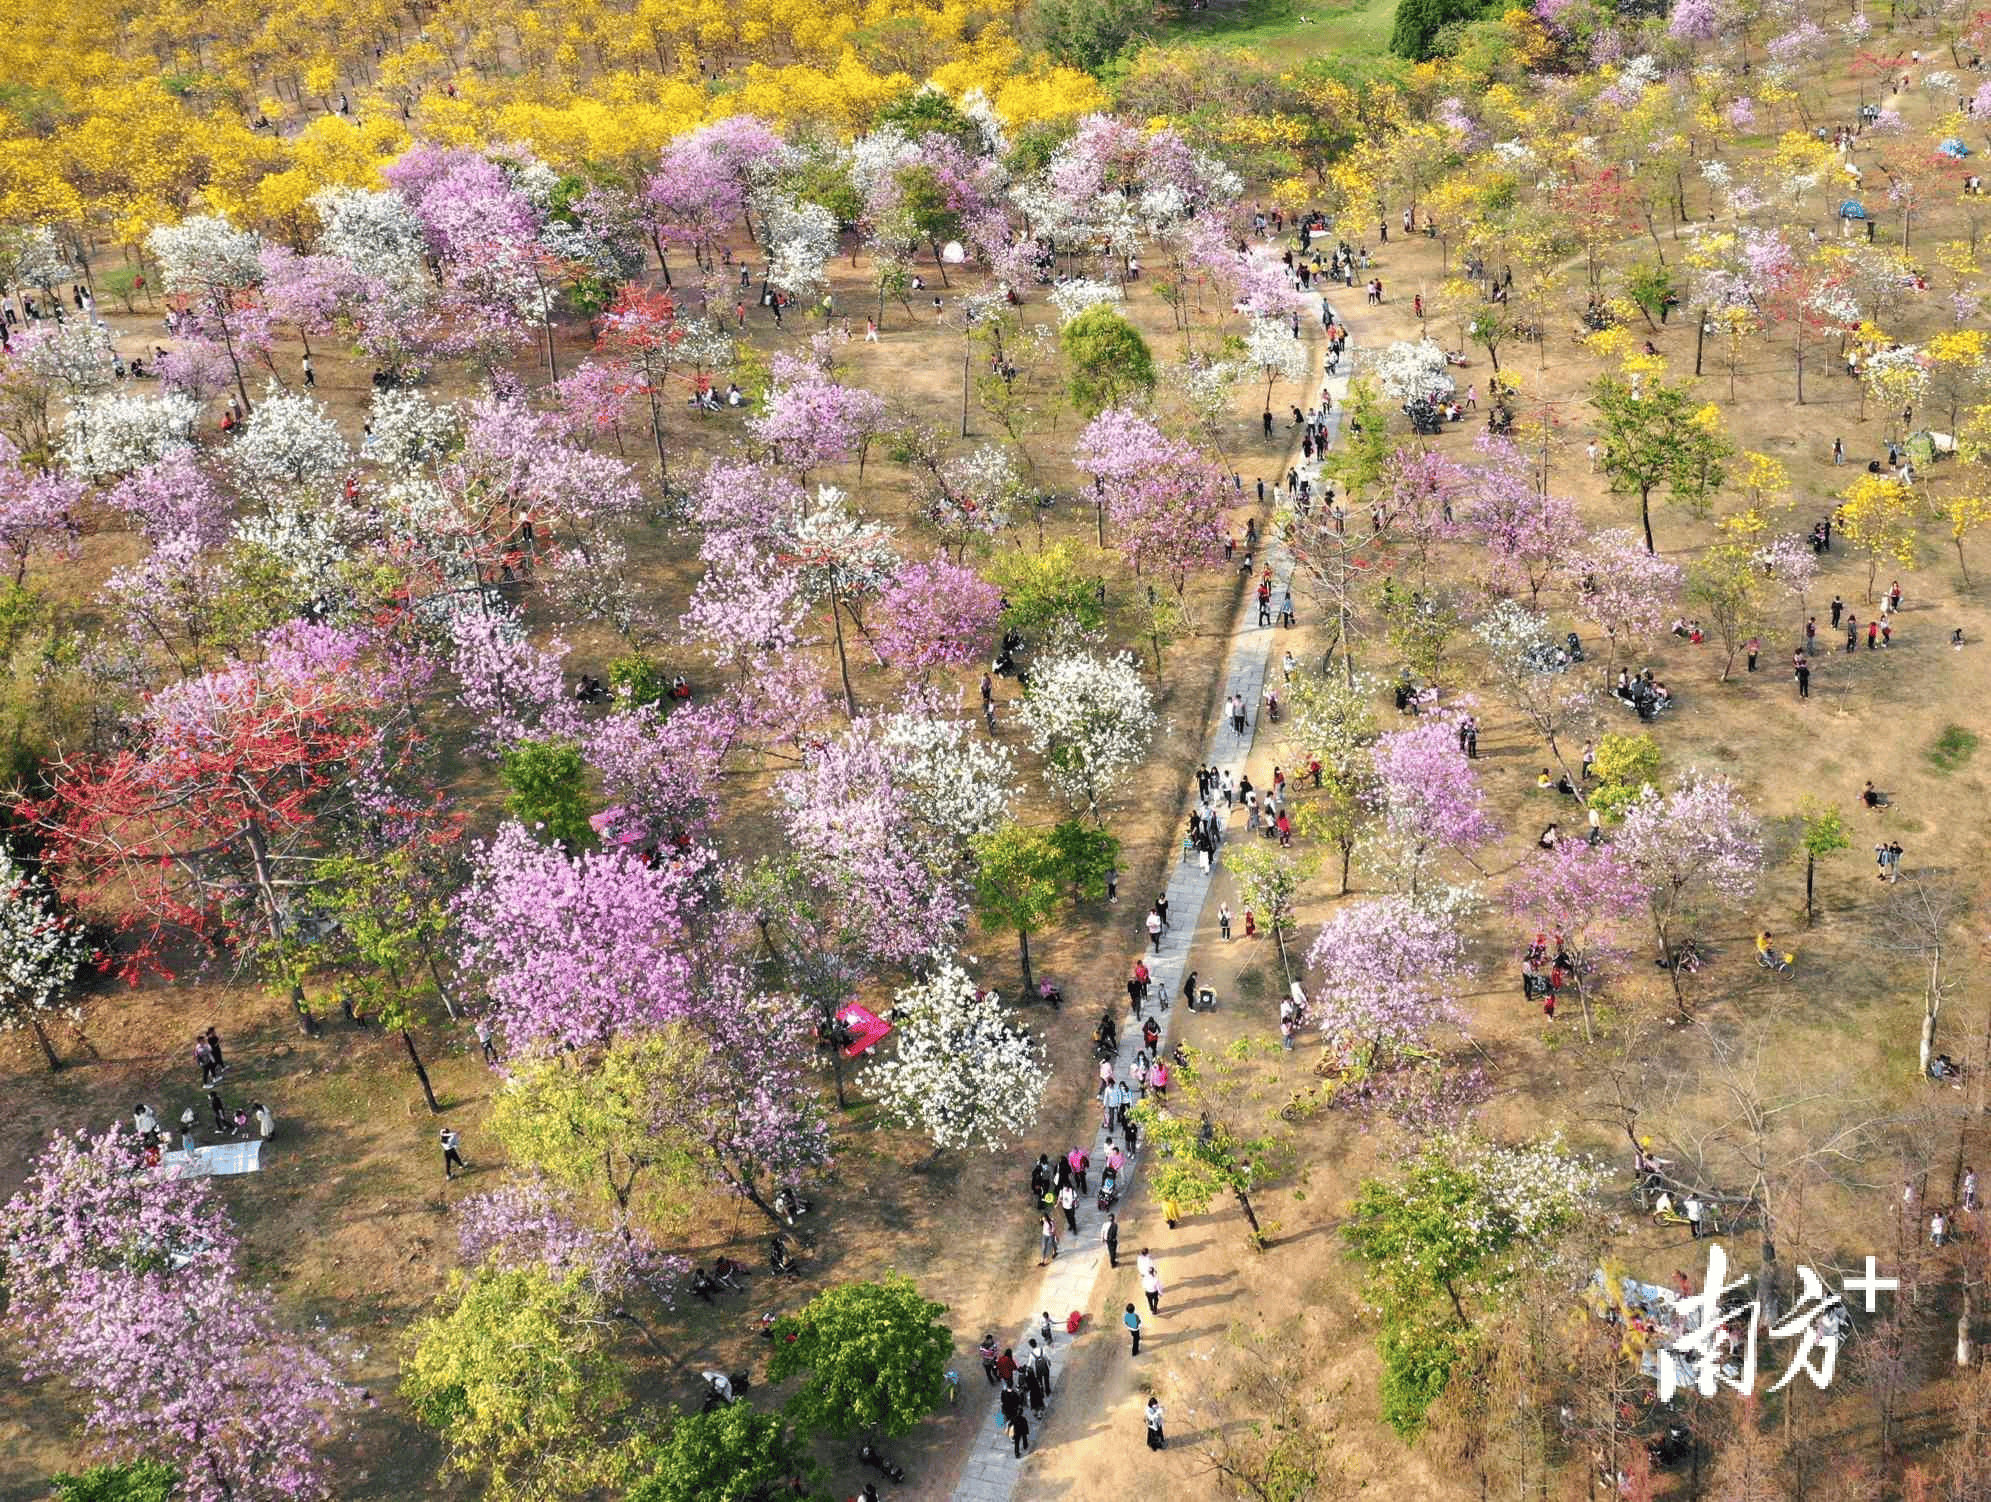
x: 217, y: 1160
x: 866, y: 1027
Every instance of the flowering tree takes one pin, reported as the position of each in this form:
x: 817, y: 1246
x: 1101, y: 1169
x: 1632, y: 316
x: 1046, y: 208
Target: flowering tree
x: 213, y: 265
x: 1626, y: 590
x: 290, y: 441
x: 1091, y: 718
x: 233, y: 790
x: 1385, y: 971
x: 1696, y: 842
x: 1529, y: 535
x: 841, y: 560
x: 1413, y: 371
x: 813, y: 421
x: 1168, y: 504
x: 1517, y: 643
x: 960, y: 1071
x: 1583, y: 894
x: 1274, y: 352
x: 38, y: 510
x: 1430, y: 797
x: 116, y: 1282
x: 41, y: 949
x: 118, y: 432
x: 937, y: 614
x: 532, y: 1223
x: 576, y: 952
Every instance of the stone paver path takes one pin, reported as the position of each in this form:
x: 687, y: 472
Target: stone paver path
x: 1071, y: 1280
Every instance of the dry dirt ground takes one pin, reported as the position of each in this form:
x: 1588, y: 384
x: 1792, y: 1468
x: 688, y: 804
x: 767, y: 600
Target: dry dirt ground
x: 351, y: 1220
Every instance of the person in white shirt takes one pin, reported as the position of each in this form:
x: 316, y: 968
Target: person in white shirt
x: 1157, y: 1440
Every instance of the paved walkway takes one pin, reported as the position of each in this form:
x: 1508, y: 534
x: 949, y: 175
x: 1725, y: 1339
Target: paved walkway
x: 1071, y: 1280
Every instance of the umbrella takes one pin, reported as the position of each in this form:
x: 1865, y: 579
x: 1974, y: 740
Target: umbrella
x: 1954, y: 148
x: 1852, y: 209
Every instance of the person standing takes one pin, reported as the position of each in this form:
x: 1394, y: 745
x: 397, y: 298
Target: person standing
x: 214, y: 1047
x: 1109, y: 1237
x: 1026, y: 1378
x: 1040, y: 1364
x: 204, y: 1057
x: 266, y: 1123
x: 1224, y: 919
x: 1838, y: 451
x: 452, y: 1156
x: 1151, y: 1287
x: 1161, y: 908
x: 1047, y: 1240
x: 1752, y: 647
x: 1838, y: 609
x: 483, y: 1030
x: 1803, y: 677
x: 1019, y: 1432
x: 1873, y: 635
x: 1157, y: 1440
x: 1133, y: 1323
x: 310, y: 375
x: 1112, y: 883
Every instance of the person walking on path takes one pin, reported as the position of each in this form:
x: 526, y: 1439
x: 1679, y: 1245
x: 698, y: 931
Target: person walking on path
x: 1224, y: 919
x: 1040, y: 1365
x: 452, y: 1157
x: 1151, y: 1286
x: 204, y: 1057
x: 1109, y: 1237
x: 1838, y: 609
x: 1154, y: 929
x: 1157, y: 1440
x: 1019, y: 1433
x: 1133, y: 1323
x: 1026, y: 1376
x: 214, y: 1047
x: 1047, y: 1240
x: 1068, y: 1202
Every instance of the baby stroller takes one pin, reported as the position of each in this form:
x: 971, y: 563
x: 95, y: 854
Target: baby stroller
x: 1109, y: 1189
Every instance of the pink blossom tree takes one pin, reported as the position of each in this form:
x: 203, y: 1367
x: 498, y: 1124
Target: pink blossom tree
x: 38, y: 511
x: 1583, y: 894
x: 1430, y: 799
x: 576, y: 952
x: 814, y: 421
x: 1169, y: 505
x: 1528, y: 536
x: 1627, y: 591
x: 1384, y: 972
x: 125, y: 1285
x: 937, y: 614
x: 1697, y: 843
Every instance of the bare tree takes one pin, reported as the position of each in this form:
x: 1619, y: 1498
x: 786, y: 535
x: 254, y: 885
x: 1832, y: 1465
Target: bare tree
x: 1923, y: 922
x: 1268, y: 1433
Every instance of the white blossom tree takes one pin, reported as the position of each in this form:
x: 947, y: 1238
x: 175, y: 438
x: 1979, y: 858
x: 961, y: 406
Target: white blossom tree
x: 40, y: 952
x: 963, y: 784
x: 1091, y: 719
x: 1271, y: 348
x: 1075, y: 296
x: 116, y: 432
x: 290, y: 441
x: 1412, y: 370
x: 961, y: 1071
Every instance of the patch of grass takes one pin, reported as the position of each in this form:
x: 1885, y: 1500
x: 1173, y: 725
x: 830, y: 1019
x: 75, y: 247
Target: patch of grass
x: 1951, y: 749
x: 1293, y: 29
x: 1250, y: 984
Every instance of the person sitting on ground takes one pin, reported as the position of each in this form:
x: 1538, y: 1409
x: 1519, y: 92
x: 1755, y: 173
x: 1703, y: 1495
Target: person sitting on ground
x: 1943, y: 1067
x: 1661, y: 693
x: 1549, y: 836
x: 1565, y: 786
x: 1870, y: 796
x: 679, y: 688
x: 1695, y: 634
x: 703, y: 1285
x: 1956, y: 637
x: 1543, y: 781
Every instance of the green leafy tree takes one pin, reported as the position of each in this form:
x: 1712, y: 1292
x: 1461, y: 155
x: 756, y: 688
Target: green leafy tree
x: 141, y: 1481
x: 593, y: 1128
x: 1624, y: 765
x: 1414, y: 34
x: 1269, y: 878
x: 873, y: 1358
x: 1053, y: 592
x: 386, y: 921
x: 639, y: 680
x: 733, y: 1454
x: 1440, y: 1240
x: 1087, y: 34
x: 1726, y: 587
x: 1655, y: 437
x: 1338, y: 812
x: 1086, y: 854
x: 546, y: 784
x: 1222, y: 1134
x: 928, y: 112
x: 927, y: 210
x: 1107, y: 362
x: 515, y: 1376
x: 1823, y: 833
x: 1650, y: 285
x: 1017, y: 875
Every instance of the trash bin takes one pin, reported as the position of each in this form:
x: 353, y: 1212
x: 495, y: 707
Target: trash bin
x: 1206, y: 999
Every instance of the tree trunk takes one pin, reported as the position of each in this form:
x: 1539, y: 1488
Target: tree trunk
x: 421, y: 1072
x: 1023, y: 949
x: 1810, y: 866
x: 1250, y: 1215
x: 842, y: 658
x: 41, y: 1037
x: 1645, y: 517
